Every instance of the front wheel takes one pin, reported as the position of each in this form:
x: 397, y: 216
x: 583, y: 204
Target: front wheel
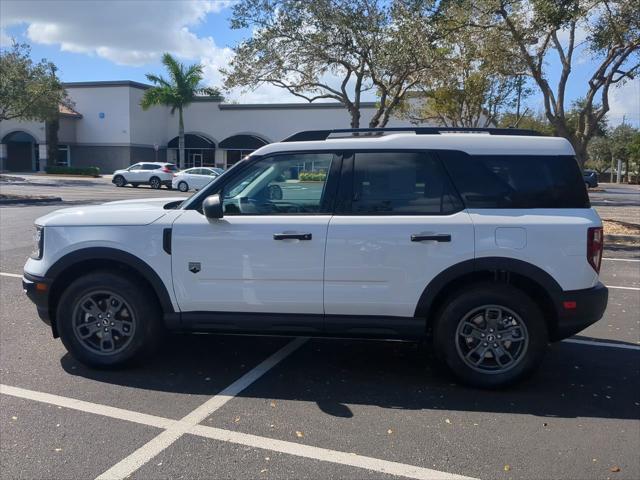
x: 155, y: 183
x: 491, y: 335
x: 107, y: 320
x: 119, y: 181
x: 183, y: 187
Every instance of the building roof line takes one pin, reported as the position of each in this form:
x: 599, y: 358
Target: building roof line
x: 288, y: 106
x: 107, y: 83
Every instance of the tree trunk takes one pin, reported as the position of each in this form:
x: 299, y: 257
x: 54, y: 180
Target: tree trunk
x: 581, y: 153
x: 51, y: 127
x: 355, y: 117
x: 181, y: 159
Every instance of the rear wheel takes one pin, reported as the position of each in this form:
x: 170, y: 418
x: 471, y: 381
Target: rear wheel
x: 119, y: 181
x: 106, y: 320
x: 183, y: 187
x: 491, y: 335
x: 155, y: 183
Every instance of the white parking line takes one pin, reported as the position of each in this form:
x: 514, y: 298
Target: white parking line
x: 324, y: 454
x: 602, y: 344
x: 623, y: 288
x: 12, y: 275
x: 88, y: 407
x: 133, y: 462
x: 621, y: 259
x: 176, y: 428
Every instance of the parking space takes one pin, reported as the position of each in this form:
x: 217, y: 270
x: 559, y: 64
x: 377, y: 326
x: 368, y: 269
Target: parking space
x: 267, y: 407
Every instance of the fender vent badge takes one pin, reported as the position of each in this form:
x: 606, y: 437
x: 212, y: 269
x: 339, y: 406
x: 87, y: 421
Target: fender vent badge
x: 194, y: 267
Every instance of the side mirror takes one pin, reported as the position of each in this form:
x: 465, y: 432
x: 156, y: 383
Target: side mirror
x: 212, y: 207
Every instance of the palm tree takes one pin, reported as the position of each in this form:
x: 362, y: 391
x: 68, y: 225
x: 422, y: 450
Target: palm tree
x: 177, y: 92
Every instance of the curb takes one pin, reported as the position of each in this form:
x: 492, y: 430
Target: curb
x: 29, y: 201
x: 622, y: 238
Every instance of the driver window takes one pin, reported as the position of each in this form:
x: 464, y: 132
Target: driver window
x: 280, y: 184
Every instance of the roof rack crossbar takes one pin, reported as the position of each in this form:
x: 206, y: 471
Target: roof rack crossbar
x: 311, y: 135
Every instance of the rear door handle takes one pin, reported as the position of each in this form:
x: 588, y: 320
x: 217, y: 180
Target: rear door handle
x: 295, y: 236
x: 441, y: 237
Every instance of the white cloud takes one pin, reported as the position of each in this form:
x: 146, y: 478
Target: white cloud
x: 624, y: 103
x: 134, y: 33
x: 124, y: 32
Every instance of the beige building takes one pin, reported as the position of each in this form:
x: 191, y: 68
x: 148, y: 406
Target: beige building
x: 108, y: 129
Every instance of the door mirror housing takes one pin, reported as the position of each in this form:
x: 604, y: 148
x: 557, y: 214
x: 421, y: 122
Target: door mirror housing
x: 212, y: 207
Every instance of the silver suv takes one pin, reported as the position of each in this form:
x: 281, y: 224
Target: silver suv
x: 154, y: 174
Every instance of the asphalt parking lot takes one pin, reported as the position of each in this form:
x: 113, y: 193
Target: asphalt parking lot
x: 266, y: 407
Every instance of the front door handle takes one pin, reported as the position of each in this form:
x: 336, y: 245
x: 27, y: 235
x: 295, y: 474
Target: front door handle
x: 440, y: 237
x: 295, y: 236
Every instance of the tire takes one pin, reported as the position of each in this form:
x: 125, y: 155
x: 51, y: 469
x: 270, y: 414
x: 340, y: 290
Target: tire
x: 464, y: 329
x: 169, y: 186
x: 135, y: 185
x: 155, y: 183
x: 134, y: 325
x: 183, y: 187
x: 587, y: 185
x: 119, y: 181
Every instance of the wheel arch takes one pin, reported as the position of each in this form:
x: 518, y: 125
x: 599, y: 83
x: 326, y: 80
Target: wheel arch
x: 76, y: 263
x: 532, y: 280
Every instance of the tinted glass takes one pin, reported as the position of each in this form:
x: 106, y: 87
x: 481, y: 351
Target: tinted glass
x: 281, y: 184
x: 135, y: 166
x: 150, y: 166
x: 402, y: 183
x: 523, y: 181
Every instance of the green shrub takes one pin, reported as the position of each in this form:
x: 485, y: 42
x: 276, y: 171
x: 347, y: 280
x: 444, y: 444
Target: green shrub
x: 58, y: 170
x: 312, y: 176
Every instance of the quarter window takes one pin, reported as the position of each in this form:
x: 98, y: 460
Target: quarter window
x: 401, y: 183
x: 517, y: 181
x: 280, y: 184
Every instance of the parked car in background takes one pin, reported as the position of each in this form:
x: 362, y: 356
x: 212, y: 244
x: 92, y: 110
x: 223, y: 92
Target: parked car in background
x: 154, y: 174
x: 590, y: 178
x: 195, y: 178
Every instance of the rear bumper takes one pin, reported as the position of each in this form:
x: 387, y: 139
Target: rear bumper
x: 37, y: 289
x: 577, y: 309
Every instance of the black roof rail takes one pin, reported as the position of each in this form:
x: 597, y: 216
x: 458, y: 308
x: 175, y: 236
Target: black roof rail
x: 311, y: 135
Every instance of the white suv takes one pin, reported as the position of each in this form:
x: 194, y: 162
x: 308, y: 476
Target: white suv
x: 154, y: 174
x: 482, y: 243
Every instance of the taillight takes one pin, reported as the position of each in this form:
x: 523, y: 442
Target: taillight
x: 166, y: 170
x: 595, y: 245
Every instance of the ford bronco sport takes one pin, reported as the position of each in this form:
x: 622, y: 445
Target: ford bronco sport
x: 482, y: 242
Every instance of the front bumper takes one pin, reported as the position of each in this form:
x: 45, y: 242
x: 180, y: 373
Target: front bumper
x: 577, y: 309
x: 37, y: 289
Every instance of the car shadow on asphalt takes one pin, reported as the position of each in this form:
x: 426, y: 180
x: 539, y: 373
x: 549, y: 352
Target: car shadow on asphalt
x: 575, y: 380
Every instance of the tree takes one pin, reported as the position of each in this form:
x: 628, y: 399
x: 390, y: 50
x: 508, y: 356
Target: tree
x: 28, y: 90
x: 622, y: 141
x: 477, y: 80
x: 176, y: 92
x: 336, y: 49
x: 599, y: 154
x: 546, y: 29
x: 528, y: 121
x: 31, y: 91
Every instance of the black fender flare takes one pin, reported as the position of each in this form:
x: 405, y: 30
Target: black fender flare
x: 492, y: 264
x: 115, y: 255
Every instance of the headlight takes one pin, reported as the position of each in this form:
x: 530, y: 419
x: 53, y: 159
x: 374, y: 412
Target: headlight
x: 38, y: 243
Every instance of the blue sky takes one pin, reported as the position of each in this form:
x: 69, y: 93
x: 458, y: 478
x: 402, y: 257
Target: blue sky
x: 122, y: 40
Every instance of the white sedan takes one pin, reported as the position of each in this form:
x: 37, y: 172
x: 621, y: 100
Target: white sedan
x: 195, y: 178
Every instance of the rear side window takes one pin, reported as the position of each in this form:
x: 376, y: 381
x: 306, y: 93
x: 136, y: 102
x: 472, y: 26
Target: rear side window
x: 517, y: 181
x: 150, y: 166
x: 401, y: 183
